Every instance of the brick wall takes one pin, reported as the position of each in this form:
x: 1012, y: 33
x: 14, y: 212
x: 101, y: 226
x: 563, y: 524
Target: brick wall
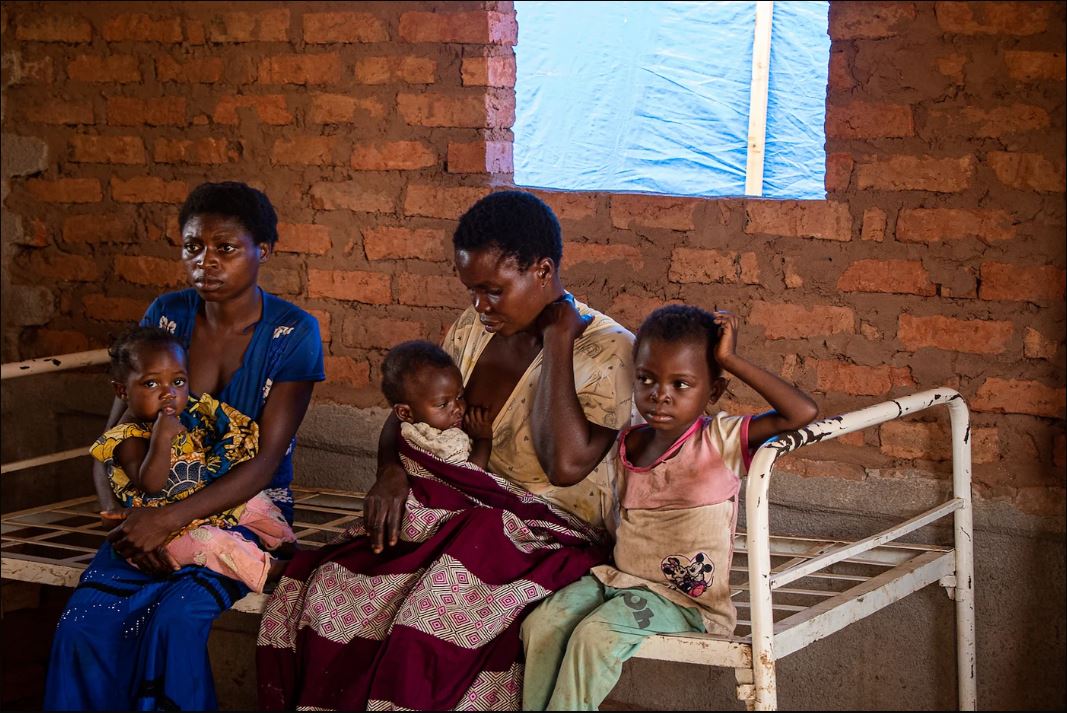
x: 937, y: 259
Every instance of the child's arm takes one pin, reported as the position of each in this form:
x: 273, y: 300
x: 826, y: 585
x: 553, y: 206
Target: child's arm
x: 147, y: 462
x: 792, y: 407
x: 479, y: 427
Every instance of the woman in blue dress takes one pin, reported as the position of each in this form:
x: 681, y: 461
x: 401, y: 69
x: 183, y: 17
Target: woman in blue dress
x: 134, y: 634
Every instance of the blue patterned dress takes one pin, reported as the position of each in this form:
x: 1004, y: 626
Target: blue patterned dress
x: 130, y: 641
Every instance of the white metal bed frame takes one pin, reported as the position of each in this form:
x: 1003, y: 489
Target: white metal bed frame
x: 796, y: 590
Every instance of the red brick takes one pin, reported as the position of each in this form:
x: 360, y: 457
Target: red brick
x: 325, y: 27
x: 56, y: 342
x: 111, y: 69
x: 481, y: 157
x: 874, y: 225
x: 826, y: 220
x: 855, y: 21
x: 49, y: 27
x: 869, y: 120
x: 372, y: 333
x: 1026, y: 66
x: 702, y: 266
x: 916, y: 173
x: 1059, y: 451
x: 266, y: 26
x: 480, y: 110
x: 58, y: 111
x: 393, y: 155
x: 390, y: 70
x: 807, y: 468
x: 783, y: 320
x: 195, y: 33
x: 107, y: 149
x: 362, y: 196
x: 1040, y: 500
x: 147, y: 189
x: 141, y: 270
x: 630, y: 310
x: 306, y: 238
x: 20, y: 70
x: 137, y: 27
x: 750, y: 274
x: 931, y: 225
x: 992, y: 18
x: 1028, y: 171
x: 65, y: 190
x: 600, y: 254
x: 933, y: 441
x: 304, y: 151
x: 301, y: 69
x: 839, y: 75
x: 495, y: 71
x: 1022, y: 283
x: 907, y: 277
x: 432, y: 291
x: 350, y: 285
x: 344, y: 109
x: 952, y: 66
x: 479, y: 27
x: 395, y: 243
x: 995, y: 122
x: 113, y: 309
x: 433, y: 201
x: 324, y: 319
x: 346, y: 370
x: 1019, y: 396
x: 649, y: 211
x: 791, y: 277
x: 568, y: 205
x: 281, y: 282
x: 960, y: 335
x: 207, y: 70
x: 1037, y: 346
x: 838, y: 171
x: 207, y: 151
x: 155, y: 111
x: 97, y: 228
x: 61, y: 267
x: 269, y: 108
x: 834, y: 376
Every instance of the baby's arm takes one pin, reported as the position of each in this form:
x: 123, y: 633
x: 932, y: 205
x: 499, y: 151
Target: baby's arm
x: 792, y: 407
x: 147, y: 462
x: 479, y: 427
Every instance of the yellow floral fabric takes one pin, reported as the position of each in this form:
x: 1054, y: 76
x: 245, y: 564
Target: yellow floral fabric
x: 603, y: 377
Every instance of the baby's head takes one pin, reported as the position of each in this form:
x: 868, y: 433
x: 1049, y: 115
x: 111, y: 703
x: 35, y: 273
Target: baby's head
x: 675, y: 372
x: 149, y: 371
x: 422, y: 384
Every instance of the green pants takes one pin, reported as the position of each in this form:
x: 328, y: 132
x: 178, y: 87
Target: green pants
x: 577, y: 640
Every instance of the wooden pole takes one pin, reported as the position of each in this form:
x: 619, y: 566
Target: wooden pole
x: 757, y: 112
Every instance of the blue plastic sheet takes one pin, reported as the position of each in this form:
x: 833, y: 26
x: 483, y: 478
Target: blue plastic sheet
x: 654, y: 97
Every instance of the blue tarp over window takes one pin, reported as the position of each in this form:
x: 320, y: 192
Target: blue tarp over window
x: 654, y: 97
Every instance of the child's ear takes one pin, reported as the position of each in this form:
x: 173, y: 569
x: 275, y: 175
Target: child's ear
x: 120, y: 390
x: 403, y: 412
x: 718, y: 388
x: 545, y: 268
x: 265, y: 250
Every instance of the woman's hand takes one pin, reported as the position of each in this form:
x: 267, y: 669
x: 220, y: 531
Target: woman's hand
x: 562, y: 319
x: 477, y: 424
x: 383, y: 508
x: 141, y: 540
x: 726, y: 349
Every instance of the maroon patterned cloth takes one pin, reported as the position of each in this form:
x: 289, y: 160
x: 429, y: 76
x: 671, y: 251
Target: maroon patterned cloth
x: 433, y: 622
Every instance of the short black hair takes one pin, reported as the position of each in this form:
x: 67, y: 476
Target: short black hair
x: 407, y: 359
x: 519, y: 224
x: 682, y: 323
x: 233, y: 199
x: 131, y: 341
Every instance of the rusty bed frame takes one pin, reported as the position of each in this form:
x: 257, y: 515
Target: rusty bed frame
x: 789, y: 591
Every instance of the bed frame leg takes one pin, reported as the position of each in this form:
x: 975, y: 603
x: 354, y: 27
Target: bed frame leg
x: 963, y: 534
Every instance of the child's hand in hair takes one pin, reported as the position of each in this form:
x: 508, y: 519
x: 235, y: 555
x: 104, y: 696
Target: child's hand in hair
x: 729, y: 324
x: 167, y: 424
x: 477, y: 424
